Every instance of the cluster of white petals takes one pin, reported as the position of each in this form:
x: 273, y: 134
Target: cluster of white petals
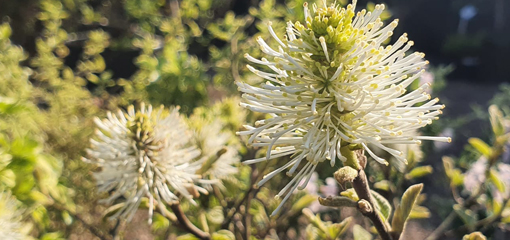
x: 144, y: 154
x: 12, y: 227
x: 220, y: 159
x: 331, y: 82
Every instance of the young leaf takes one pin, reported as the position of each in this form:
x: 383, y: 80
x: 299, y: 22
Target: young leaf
x: 419, y: 172
x: 223, y: 235
x: 350, y: 193
x: 337, y: 229
x: 384, y: 185
x: 481, y: 146
x: 188, y: 236
x: 454, y: 174
x: 496, y: 180
x: 405, y: 207
x: 303, y: 202
x: 360, y: 233
x: 496, y: 117
x: 382, y: 205
x: 419, y: 212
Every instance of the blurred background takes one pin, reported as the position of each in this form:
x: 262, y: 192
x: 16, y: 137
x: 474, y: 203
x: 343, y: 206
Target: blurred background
x: 81, y: 58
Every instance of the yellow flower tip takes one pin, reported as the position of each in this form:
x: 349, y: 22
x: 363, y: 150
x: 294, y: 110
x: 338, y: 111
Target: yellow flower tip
x: 386, y: 162
x: 449, y: 139
x: 443, y: 106
x: 411, y: 43
x: 305, y: 4
x: 418, y: 142
x: 246, y: 55
x: 269, y: 24
x: 322, y: 39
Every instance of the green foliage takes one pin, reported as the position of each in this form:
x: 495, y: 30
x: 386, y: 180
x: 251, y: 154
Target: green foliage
x: 405, y: 207
x: 325, y: 230
x: 360, y: 233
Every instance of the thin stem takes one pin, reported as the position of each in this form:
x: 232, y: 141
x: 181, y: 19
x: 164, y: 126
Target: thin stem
x: 442, y: 227
x: 186, y: 224
x: 360, y: 185
x: 255, y: 177
x: 247, y: 215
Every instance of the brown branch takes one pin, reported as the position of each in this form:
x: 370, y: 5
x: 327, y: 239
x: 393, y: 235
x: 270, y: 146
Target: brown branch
x: 186, y: 224
x: 360, y: 185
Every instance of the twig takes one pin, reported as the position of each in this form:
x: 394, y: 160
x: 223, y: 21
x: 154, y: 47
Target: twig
x: 360, y: 185
x: 247, y: 215
x: 186, y: 224
x: 253, y: 187
x: 443, y: 226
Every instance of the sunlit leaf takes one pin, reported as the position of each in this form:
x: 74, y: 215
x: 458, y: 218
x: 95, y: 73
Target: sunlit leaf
x: 360, y: 233
x: 404, y: 209
x: 481, y: 146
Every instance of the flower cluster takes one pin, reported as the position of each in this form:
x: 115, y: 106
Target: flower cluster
x: 219, y: 158
x: 10, y: 219
x: 331, y: 82
x: 148, y: 154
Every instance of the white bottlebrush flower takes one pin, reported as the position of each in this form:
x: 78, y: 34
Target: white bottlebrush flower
x: 219, y: 159
x: 12, y: 227
x: 144, y: 154
x: 331, y: 82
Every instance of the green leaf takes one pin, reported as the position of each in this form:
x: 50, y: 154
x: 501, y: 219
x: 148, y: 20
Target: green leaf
x: 497, y: 205
x: 481, y: 146
x: 496, y: 180
x: 68, y: 219
x: 303, y: 202
x: 159, y: 222
x: 384, y: 185
x: 188, y: 236
x: 383, y: 206
x: 337, y: 229
x: 350, y: 193
x: 419, y: 172
x: 52, y: 236
x: 454, y: 174
x: 223, y: 235
x: 497, y: 120
x: 215, y: 215
x: 404, y: 209
x: 419, y: 212
x: 360, y: 233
